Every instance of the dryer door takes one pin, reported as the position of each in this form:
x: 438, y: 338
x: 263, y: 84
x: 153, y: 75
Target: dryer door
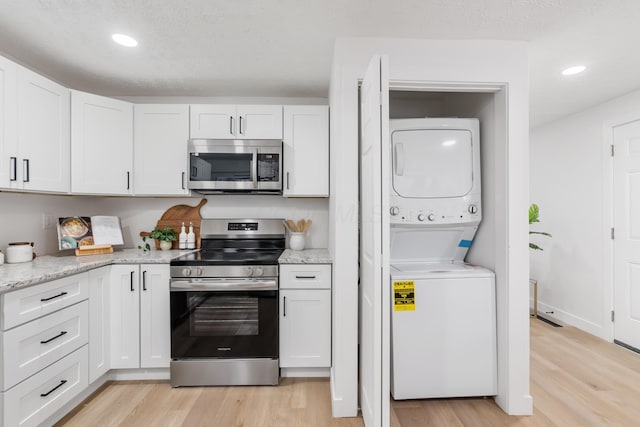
x: 432, y: 163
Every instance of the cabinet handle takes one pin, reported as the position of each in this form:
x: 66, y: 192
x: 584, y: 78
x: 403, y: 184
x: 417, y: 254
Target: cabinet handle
x: 61, y: 294
x: 131, y: 281
x: 287, y: 180
x: 62, y: 382
x: 144, y: 280
x: 128, y: 180
x: 305, y: 277
x: 182, y: 181
x: 25, y: 172
x: 231, y: 125
x: 284, y: 307
x: 241, y: 130
x: 13, y: 168
x: 53, y: 338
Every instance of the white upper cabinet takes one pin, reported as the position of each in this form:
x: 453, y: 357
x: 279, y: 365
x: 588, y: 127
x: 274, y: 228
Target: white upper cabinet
x: 305, y: 152
x: 43, y: 134
x: 101, y: 145
x: 236, y: 121
x: 160, y: 139
x: 8, y: 124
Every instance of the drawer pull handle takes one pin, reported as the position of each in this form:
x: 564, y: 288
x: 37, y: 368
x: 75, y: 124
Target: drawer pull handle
x: 53, y: 338
x: 305, y: 277
x: 62, y: 382
x: 61, y: 294
x: 284, y: 307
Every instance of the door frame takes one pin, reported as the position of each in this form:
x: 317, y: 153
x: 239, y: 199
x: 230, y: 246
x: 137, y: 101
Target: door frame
x: 607, y: 219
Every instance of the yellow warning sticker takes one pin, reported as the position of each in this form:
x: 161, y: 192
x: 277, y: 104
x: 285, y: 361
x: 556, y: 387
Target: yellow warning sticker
x: 404, y: 295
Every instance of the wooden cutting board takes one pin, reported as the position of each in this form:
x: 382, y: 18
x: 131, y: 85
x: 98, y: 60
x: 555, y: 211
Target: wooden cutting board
x: 175, y: 216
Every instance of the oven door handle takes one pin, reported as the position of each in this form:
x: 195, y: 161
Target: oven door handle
x: 187, y: 285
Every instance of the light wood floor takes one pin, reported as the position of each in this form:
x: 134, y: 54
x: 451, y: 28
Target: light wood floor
x: 576, y: 380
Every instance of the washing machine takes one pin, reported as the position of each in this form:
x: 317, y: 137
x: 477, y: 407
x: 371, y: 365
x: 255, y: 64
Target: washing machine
x: 443, y: 321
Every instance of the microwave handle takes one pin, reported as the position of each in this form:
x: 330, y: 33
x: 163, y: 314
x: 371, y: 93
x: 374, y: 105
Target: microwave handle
x: 255, y: 168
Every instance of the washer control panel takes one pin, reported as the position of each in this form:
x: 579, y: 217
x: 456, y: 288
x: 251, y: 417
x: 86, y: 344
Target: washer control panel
x: 421, y: 212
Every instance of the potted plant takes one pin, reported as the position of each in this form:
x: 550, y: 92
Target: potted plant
x: 165, y: 236
x: 534, y: 213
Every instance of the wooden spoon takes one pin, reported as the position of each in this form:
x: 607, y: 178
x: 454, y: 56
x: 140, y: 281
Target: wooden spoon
x: 307, y: 224
x: 292, y: 226
x: 286, y: 225
x: 300, y: 225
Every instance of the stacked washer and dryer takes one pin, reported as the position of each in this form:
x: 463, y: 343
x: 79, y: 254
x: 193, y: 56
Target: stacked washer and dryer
x: 443, y: 331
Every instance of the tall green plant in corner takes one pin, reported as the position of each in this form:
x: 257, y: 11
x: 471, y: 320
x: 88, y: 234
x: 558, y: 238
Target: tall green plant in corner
x: 534, y: 213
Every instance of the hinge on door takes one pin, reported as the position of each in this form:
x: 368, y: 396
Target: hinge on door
x: 613, y: 233
x: 613, y: 316
x: 612, y: 150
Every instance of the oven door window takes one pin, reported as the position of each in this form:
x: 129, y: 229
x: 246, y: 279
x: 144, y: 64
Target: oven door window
x: 221, y: 167
x: 224, y: 324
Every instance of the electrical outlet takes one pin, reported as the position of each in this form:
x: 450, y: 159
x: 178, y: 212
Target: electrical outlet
x: 48, y: 221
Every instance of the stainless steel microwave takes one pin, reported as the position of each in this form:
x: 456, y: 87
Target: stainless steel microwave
x: 244, y: 166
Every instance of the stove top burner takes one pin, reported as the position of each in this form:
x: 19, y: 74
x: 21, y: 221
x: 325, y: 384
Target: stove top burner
x: 229, y: 257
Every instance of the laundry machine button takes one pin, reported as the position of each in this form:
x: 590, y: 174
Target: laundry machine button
x: 421, y: 217
x: 473, y: 209
x: 394, y: 210
x: 431, y: 217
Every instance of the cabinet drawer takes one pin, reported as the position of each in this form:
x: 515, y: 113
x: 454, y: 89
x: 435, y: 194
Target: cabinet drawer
x: 37, y: 344
x: 35, y: 399
x: 305, y: 276
x: 26, y: 304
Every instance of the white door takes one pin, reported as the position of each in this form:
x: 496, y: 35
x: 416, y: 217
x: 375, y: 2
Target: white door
x: 43, y: 133
x: 213, y: 121
x: 155, y: 321
x: 8, y: 125
x: 99, y: 290
x: 124, y: 313
x: 160, y: 139
x: 259, y: 122
x: 626, y: 185
x: 101, y: 145
x: 374, y: 312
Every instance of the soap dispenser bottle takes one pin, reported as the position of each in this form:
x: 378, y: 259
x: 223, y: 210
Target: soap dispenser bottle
x: 191, y: 237
x: 182, y: 238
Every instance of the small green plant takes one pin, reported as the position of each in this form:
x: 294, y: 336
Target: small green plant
x: 534, y: 213
x: 167, y: 234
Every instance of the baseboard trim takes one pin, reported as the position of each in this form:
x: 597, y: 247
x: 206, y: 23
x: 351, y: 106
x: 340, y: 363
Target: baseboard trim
x: 564, y: 318
x: 305, y: 372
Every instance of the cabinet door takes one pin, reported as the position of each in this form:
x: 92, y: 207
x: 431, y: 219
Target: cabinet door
x: 124, y: 313
x: 101, y: 145
x: 43, y: 133
x: 259, y: 122
x: 213, y: 121
x: 305, y: 328
x: 155, y: 322
x: 160, y: 149
x: 306, y: 151
x: 99, y: 290
x: 8, y: 124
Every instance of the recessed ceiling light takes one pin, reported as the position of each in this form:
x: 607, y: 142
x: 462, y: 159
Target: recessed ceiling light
x: 573, y: 70
x: 124, y: 40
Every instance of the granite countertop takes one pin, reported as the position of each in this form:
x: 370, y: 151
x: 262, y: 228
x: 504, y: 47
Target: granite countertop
x: 305, y: 256
x: 47, y: 267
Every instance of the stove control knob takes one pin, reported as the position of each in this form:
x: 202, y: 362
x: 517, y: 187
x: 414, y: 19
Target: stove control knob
x: 473, y: 209
x: 249, y: 271
x: 394, y: 210
x: 186, y: 272
x: 258, y: 271
x: 198, y: 271
x: 431, y: 217
x: 421, y: 217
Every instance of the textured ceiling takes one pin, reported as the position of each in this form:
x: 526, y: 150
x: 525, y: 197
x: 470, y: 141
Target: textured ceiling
x: 284, y: 47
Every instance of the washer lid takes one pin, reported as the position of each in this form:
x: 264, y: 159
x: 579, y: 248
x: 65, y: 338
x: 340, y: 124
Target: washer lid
x: 425, y: 243
x: 432, y: 163
x: 421, y: 270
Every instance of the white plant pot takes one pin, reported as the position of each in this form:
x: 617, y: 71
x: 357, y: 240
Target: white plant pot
x: 165, y: 245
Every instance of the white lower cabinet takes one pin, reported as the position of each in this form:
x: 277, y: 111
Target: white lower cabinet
x: 139, y: 316
x: 99, y: 293
x: 35, y: 399
x: 305, y: 316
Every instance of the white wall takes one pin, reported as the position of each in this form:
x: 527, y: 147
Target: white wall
x: 435, y: 61
x: 21, y: 214
x: 569, y: 180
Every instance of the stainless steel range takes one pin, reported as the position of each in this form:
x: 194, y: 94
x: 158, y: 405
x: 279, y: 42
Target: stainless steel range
x: 224, y: 305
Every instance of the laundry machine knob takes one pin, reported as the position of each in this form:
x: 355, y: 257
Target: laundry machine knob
x: 473, y: 209
x: 394, y: 210
x: 186, y: 272
x: 431, y: 217
x: 421, y: 217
